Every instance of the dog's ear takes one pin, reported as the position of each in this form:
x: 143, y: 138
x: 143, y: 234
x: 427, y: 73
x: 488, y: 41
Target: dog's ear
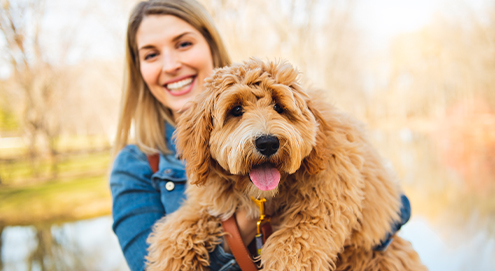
x: 318, y: 158
x: 193, y: 136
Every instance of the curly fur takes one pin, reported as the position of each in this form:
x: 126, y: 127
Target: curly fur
x: 335, y: 199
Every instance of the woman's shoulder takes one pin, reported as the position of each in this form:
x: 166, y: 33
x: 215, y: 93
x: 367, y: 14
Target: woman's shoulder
x: 130, y: 154
x: 130, y: 161
x: 131, y: 170
x: 131, y: 150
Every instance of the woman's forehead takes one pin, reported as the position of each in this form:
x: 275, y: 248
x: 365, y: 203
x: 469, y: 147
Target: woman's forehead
x: 158, y: 29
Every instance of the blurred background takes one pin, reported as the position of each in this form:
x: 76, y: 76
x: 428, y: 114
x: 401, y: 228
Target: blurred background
x: 420, y: 74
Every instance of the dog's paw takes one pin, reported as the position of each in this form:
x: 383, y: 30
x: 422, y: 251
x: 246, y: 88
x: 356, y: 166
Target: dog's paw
x: 295, y: 250
x: 182, y: 244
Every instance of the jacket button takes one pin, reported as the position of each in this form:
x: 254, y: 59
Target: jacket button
x: 170, y: 186
x: 168, y: 171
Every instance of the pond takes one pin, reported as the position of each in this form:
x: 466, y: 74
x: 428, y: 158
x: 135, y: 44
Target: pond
x: 82, y: 245
x: 91, y: 245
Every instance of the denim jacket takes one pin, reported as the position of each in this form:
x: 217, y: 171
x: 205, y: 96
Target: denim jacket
x: 141, y: 197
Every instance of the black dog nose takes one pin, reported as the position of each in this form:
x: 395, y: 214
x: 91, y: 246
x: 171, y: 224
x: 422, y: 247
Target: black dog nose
x: 267, y: 145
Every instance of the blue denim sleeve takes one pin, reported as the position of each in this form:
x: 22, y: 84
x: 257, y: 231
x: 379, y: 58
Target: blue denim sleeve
x: 137, y: 206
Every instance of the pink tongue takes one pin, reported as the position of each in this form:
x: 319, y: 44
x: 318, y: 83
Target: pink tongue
x: 265, y: 177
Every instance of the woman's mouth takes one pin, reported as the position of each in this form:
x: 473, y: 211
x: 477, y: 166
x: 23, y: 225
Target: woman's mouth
x: 181, y: 87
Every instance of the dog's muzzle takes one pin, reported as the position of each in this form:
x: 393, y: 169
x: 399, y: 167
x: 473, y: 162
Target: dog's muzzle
x: 267, y: 145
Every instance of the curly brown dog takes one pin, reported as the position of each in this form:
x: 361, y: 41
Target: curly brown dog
x: 332, y: 192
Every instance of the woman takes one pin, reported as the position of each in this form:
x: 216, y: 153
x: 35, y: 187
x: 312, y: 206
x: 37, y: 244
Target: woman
x: 172, y: 46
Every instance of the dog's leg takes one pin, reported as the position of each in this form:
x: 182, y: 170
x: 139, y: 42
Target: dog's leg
x: 307, y: 240
x: 182, y: 240
x: 399, y: 256
x: 298, y: 248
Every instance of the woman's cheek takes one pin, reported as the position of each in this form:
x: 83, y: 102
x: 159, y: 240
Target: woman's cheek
x: 149, y: 73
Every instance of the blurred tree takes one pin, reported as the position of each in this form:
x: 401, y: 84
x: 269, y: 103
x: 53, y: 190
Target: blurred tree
x: 450, y: 60
x: 43, y: 77
x: 442, y: 82
x: 34, y: 75
x: 465, y: 140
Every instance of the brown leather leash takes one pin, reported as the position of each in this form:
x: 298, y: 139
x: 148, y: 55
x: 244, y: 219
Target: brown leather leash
x: 233, y: 238
x: 237, y: 246
x: 239, y: 250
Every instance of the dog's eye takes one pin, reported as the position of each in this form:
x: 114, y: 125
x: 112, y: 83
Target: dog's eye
x: 237, y: 111
x: 278, y: 108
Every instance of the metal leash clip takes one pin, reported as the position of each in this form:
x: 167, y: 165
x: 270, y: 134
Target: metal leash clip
x: 262, y: 220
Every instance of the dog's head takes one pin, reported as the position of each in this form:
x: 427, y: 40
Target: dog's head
x: 256, y: 122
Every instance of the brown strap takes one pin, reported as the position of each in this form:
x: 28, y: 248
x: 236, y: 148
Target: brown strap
x: 236, y: 245
x: 154, y: 160
x: 266, y: 230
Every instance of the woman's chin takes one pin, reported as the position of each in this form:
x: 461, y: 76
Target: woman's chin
x: 181, y: 107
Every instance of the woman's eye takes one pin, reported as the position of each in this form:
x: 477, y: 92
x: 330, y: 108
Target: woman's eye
x: 237, y: 111
x: 185, y: 44
x: 149, y: 56
x: 278, y: 108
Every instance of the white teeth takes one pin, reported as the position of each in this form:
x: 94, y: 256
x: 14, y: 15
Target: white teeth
x: 180, y: 84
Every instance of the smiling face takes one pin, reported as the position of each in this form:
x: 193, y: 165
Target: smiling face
x: 174, y: 60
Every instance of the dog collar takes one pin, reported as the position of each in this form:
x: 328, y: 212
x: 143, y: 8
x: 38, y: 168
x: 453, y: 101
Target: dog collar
x: 405, y: 214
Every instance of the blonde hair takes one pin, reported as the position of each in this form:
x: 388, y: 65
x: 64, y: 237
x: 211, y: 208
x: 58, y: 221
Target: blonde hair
x: 138, y: 105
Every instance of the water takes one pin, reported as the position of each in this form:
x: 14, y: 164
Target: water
x: 441, y: 248
x: 91, y: 245
x: 82, y: 245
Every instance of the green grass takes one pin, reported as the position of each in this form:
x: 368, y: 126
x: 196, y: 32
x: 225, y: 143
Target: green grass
x: 56, y: 201
x: 8, y: 121
x: 63, y: 144
x: 21, y: 171
x: 79, y: 190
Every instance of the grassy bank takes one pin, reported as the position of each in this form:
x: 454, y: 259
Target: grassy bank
x: 20, y: 171
x: 56, y: 201
x: 79, y: 190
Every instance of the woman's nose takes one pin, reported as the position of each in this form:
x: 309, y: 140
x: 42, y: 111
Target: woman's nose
x: 171, y: 62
